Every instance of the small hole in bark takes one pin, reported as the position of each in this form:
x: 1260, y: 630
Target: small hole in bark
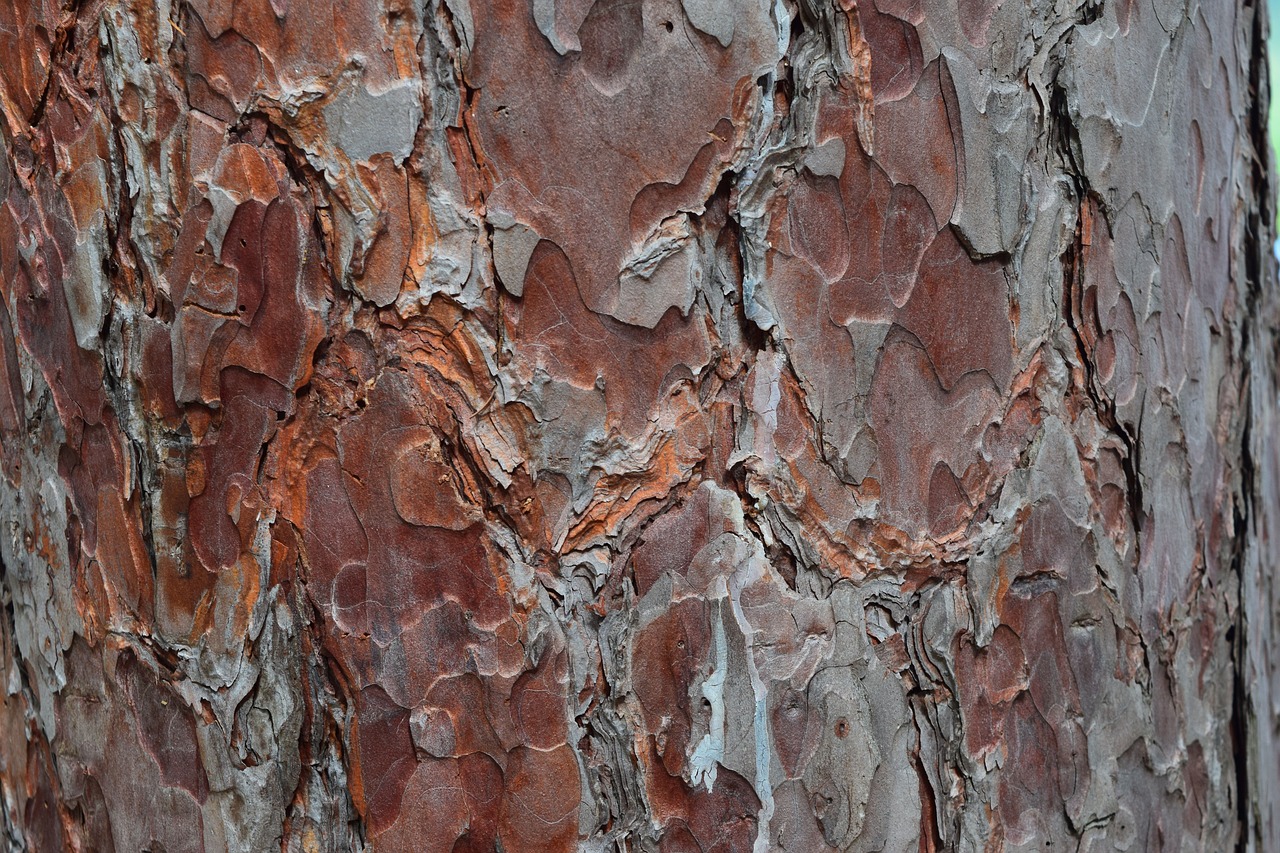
x: 360, y: 404
x: 668, y: 26
x: 240, y: 308
x: 243, y: 242
x: 842, y: 728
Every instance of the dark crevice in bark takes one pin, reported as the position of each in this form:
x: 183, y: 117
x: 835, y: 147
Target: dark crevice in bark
x: 64, y: 44
x: 1258, y: 264
x: 304, y: 176
x: 931, y: 835
x: 1103, y: 406
x: 1065, y: 141
x: 1089, y: 12
x: 926, y: 701
x: 121, y: 335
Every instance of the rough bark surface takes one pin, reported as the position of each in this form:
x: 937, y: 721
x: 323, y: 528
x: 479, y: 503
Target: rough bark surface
x: 550, y: 425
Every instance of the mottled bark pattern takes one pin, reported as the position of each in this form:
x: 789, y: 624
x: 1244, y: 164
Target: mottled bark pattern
x: 645, y: 425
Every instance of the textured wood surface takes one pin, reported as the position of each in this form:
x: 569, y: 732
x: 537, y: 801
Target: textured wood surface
x: 637, y: 425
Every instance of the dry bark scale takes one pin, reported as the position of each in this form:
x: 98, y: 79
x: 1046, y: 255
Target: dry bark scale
x: 637, y: 425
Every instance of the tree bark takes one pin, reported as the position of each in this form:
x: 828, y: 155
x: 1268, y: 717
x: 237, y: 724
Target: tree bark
x: 638, y: 425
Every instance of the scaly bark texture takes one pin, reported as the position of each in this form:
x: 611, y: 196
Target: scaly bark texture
x: 638, y: 425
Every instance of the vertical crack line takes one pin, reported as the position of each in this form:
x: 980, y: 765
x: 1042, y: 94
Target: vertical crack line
x: 1258, y: 235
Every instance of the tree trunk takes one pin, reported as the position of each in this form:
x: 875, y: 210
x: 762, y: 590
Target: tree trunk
x: 818, y: 425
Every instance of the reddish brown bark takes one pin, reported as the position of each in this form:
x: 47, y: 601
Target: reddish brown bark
x: 603, y: 425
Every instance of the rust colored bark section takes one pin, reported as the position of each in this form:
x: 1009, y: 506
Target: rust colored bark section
x: 637, y: 425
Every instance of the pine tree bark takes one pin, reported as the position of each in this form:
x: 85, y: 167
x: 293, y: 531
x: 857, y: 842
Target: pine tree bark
x: 638, y: 425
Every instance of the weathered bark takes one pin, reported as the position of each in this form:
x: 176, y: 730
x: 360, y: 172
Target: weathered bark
x: 632, y: 425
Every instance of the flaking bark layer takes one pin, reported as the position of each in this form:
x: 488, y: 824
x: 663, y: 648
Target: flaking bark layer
x: 638, y: 425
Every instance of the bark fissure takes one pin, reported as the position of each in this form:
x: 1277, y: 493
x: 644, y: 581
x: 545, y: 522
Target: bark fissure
x: 664, y: 425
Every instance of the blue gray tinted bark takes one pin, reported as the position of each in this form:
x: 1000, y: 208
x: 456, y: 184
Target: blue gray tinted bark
x: 637, y: 425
